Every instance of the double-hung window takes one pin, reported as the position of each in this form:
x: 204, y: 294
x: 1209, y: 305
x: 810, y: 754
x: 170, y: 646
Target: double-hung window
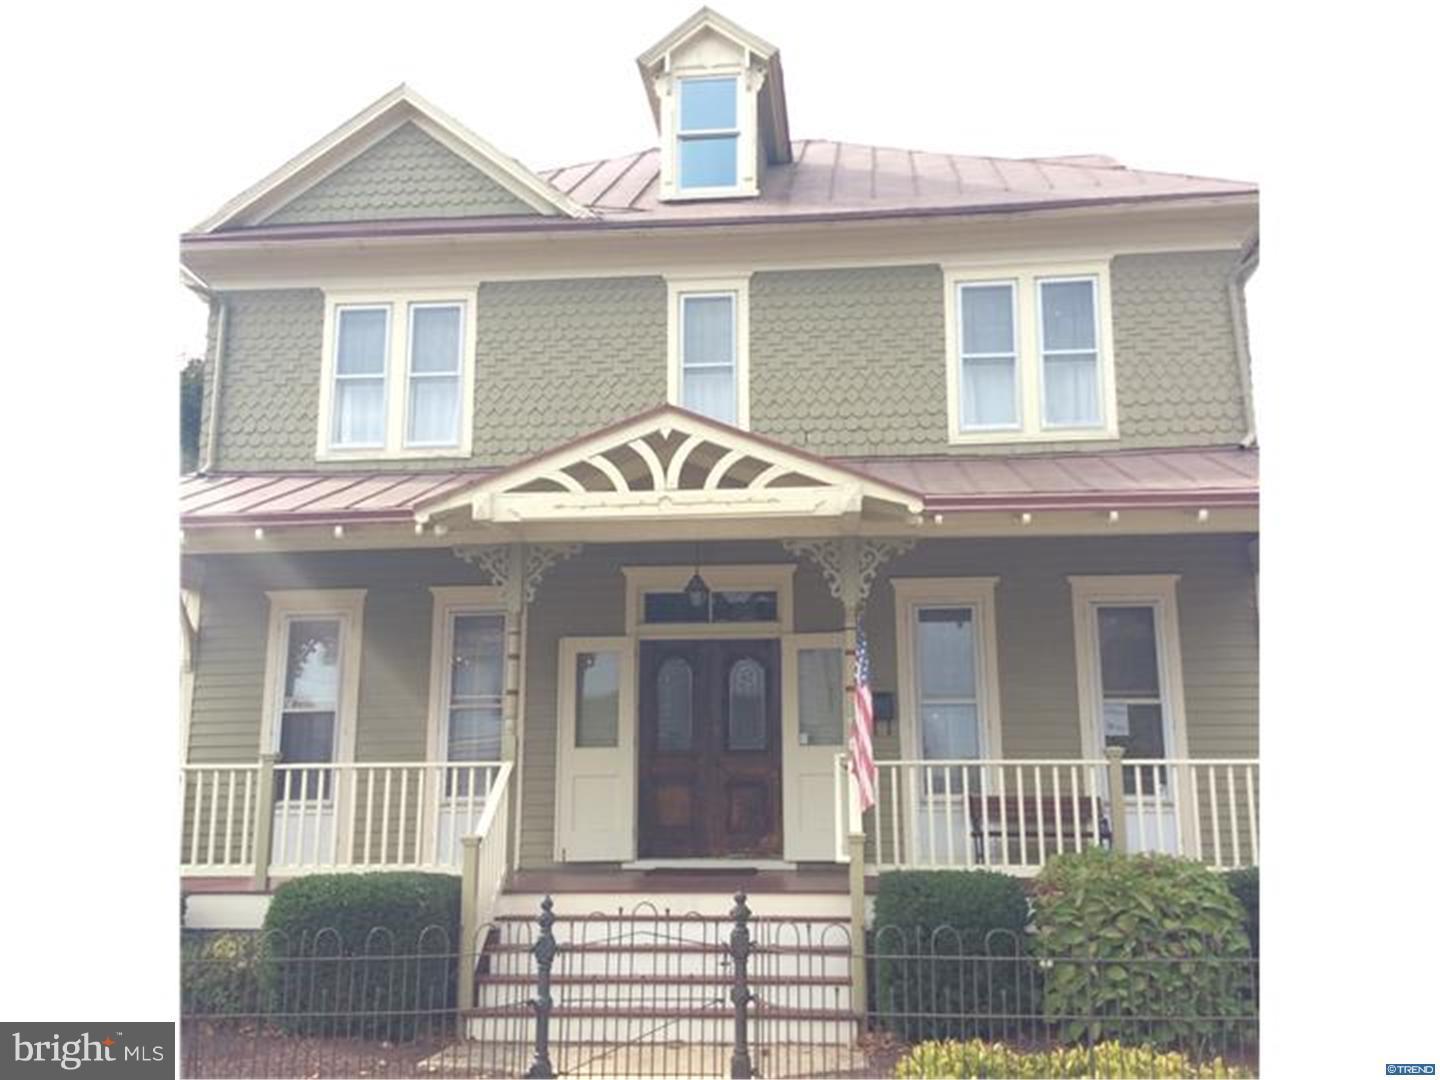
x: 467, y: 682
x: 709, y: 327
x: 707, y: 137
x: 990, y: 388
x: 1028, y: 355
x: 398, y: 375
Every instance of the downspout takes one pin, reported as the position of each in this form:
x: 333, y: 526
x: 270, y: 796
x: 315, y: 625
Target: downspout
x: 219, y: 310
x: 1235, y: 287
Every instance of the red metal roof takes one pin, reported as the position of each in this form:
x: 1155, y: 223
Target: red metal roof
x: 1209, y: 477
x: 312, y: 498
x: 1116, y: 479
x: 829, y: 177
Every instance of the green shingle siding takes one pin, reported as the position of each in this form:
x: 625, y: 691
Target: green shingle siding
x: 843, y: 362
x: 407, y: 174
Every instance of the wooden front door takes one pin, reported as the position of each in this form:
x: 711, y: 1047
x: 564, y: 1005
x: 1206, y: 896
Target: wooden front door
x: 709, y: 777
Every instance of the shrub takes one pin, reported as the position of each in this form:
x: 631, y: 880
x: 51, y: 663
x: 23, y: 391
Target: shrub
x: 1171, y: 961
x: 219, y: 972
x: 1245, y: 886
x: 366, y: 954
x: 949, y: 948
x: 976, y: 1058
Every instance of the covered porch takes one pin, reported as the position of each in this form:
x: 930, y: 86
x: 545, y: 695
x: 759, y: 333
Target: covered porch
x: 513, y: 668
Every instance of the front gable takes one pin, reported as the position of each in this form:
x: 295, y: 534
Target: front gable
x: 672, y: 464
x: 407, y: 174
x: 401, y: 157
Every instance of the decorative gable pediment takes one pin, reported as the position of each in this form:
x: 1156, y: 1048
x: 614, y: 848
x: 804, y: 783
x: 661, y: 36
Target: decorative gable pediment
x: 401, y: 157
x: 671, y: 464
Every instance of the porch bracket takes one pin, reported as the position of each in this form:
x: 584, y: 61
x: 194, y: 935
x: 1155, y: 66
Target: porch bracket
x: 849, y: 565
x: 517, y: 568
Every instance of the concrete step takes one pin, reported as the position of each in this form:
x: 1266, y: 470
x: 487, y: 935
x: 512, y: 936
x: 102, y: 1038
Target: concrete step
x: 658, y: 1025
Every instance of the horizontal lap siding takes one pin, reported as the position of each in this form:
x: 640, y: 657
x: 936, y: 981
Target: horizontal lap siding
x: 391, y: 712
x: 584, y: 596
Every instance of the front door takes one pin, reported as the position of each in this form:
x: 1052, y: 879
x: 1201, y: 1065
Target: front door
x: 709, y: 777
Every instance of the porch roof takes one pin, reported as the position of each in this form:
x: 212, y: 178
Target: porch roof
x: 1129, y: 479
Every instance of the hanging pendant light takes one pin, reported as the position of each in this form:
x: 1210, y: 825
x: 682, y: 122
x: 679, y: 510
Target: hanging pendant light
x: 697, y: 592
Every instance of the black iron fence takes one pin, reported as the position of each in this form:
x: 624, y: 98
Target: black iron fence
x: 645, y: 992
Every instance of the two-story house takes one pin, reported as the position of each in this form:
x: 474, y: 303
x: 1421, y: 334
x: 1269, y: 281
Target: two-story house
x: 550, y: 508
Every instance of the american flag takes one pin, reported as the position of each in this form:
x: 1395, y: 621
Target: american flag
x: 862, y: 748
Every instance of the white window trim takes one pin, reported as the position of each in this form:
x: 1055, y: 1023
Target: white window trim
x: 397, y: 372
x: 286, y: 605
x: 912, y: 594
x: 1151, y: 590
x: 778, y: 578
x: 679, y: 287
x: 747, y: 111
x: 1029, y: 361
x: 447, y: 601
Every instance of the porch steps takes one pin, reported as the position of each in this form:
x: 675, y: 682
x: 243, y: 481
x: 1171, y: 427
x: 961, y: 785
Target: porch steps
x: 644, y: 973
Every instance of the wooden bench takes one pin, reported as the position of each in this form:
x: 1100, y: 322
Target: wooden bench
x: 1032, y: 819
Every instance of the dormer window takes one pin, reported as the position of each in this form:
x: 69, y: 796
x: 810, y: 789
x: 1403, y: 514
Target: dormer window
x: 708, y: 135
x: 718, y: 99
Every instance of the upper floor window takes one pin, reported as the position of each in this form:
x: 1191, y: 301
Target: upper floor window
x: 398, y: 374
x: 708, y: 134
x: 709, y: 362
x: 1028, y: 356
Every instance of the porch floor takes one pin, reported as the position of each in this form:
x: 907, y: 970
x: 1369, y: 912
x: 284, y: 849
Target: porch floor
x: 820, y: 879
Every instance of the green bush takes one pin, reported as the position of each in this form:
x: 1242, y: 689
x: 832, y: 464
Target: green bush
x: 1167, y: 940
x: 219, y: 972
x: 949, y: 950
x: 362, y: 954
x: 1108, y: 1059
x: 1245, y: 886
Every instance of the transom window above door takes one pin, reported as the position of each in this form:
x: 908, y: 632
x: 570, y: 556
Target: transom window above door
x: 397, y: 375
x: 709, y: 328
x: 1028, y: 354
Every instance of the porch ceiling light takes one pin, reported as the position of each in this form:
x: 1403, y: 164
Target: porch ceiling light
x: 696, y: 591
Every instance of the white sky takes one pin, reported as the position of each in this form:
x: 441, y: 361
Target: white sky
x: 553, y: 84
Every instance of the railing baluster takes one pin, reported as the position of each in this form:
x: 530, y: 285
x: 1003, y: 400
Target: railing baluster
x: 1020, y: 802
x: 1141, y: 812
x: 1075, y: 808
x: 1094, y: 782
x: 949, y: 818
x: 1214, y: 816
x: 1004, y: 820
x: 1055, y: 807
x: 1039, y: 811
x: 385, y: 818
x: 927, y: 796
x: 404, y: 806
x: 369, y: 813
x: 247, y: 820
x: 984, y: 816
x: 969, y: 825
x: 1234, y: 821
x: 1250, y: 813
x: 196, y: 801
x: 1194, y: 790
x: 894, y: 824
x: 229, y: 814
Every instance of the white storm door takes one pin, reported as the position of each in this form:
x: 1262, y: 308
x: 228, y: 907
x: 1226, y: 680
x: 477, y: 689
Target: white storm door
x: 813, y: 685
x: 595, y: 759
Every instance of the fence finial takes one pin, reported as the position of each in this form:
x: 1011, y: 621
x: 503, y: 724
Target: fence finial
x: 740, y: 996
x: 544, y: 951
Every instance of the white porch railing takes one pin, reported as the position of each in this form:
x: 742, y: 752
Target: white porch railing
x: 298, y: 818
x: 1016, y: 814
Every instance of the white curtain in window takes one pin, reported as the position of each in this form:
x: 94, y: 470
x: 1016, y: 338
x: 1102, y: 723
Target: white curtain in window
x: 1071, y: 359
x: 434, y: 408
x: 359, y: 406
x: 477, y: 684
x: 708, y: 356
x: 987, y: 354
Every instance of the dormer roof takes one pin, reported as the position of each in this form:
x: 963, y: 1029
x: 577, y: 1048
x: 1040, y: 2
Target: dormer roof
x: 774, y: 117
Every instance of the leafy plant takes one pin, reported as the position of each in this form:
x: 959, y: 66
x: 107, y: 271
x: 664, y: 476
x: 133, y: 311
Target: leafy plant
x: 361, y: 954
x: 976, y: 1059
x: 1141, y: 948
x: 219, y: 972
x: 950, y: 951
x: 192, y: 392
x: 1245, y: 886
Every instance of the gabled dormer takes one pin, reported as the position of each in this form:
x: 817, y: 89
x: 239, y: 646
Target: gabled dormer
x: 718, y: 97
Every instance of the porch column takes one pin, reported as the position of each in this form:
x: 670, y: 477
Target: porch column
x: 517, y: 569
x: 849, y: 565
